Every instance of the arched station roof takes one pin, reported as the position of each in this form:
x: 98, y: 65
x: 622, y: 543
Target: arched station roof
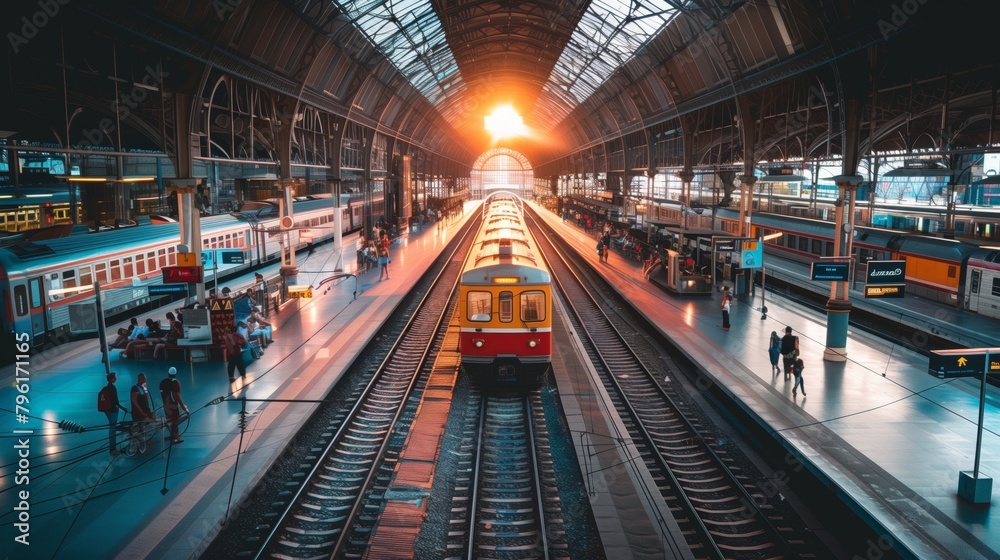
x: 588, y: 75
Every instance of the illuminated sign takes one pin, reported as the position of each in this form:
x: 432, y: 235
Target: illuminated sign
x: 751, y: 254
x: 885, y: 290
x: 837, y: 272
x: 963, y: 362
x: 886, y: 272
x: 300, y: 292
x: 179, y: 274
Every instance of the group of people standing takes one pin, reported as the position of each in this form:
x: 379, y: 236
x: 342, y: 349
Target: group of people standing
x: 375, y: 250
x: 143, y: 410
x: 787, y: 348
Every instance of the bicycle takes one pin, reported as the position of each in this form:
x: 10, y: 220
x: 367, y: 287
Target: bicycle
x: 136, y: 435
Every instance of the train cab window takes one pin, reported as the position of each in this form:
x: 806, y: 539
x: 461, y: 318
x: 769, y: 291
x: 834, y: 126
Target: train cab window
x: 506, y: 307
x: 480, y: 306
x: 533, y: 306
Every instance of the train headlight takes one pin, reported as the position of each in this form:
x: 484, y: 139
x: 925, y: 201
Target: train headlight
x: 532, y: 343
x: 478, y: 343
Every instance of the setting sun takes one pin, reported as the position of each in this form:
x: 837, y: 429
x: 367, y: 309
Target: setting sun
x: 504, y: 123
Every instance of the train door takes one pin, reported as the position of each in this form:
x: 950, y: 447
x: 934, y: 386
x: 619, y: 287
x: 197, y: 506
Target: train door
x: 37, y: 308
x: 972, y: 291
x: 21, y: 305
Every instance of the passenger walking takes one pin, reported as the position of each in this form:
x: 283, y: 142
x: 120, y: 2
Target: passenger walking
x: 797, y: 370
x: 170, y: 394
x: 726, y: 306
x: 774, y: 352
x: 383, y: 263
x: 789, y: 351
x: 108, y: 402
x: 606, y: 241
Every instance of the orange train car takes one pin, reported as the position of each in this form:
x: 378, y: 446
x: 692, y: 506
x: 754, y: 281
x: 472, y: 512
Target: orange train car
x: 506, y: 301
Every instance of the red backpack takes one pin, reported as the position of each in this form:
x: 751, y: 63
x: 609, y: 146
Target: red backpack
x: 104, y: 403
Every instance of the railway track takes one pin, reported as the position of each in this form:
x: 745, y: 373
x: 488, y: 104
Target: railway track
x: 337, y: 505
x: 507, y: 509
x: 721, y: 514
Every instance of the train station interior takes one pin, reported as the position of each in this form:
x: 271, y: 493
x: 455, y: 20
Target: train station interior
x: 747, y: 169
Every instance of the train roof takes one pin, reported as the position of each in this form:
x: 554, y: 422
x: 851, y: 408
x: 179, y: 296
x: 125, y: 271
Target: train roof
x: 46, y: 253
x: 936, y: 247
x: 492, y: 274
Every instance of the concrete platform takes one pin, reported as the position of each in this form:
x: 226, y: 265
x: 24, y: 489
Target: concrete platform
x: 890, y: 436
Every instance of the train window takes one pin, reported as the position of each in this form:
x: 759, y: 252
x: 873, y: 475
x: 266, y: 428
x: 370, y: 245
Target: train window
x: 791, y: 240
x: 996, y: 287
x: 54, y: 282
x: 533, y: 306
x: 151, y: 261
x: 952, y: 271
x: 85, y: 276
x: 974, y: 282
x: 506, y: 307
x: 69, y: 279
x: 479, y: 306
x: 162, y: 254
x: 140, y: 265
x: 116, y: 270
x: 101, y: 273
x: 36, y: 292
x: 803, y: 244
x: 817, y: 247
x: 828, y: 248
x: 20, y: 301
x: 127, y: 267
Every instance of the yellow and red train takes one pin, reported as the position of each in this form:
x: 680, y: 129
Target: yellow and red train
x: 506, y: 301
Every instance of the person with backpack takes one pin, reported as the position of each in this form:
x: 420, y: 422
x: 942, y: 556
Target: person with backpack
x: 170, y: 394
x: 107, y: 402
x: 789, y: 350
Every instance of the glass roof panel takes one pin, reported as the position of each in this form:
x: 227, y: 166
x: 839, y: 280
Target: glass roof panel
x: 609, y: 34
x: 409, y: 34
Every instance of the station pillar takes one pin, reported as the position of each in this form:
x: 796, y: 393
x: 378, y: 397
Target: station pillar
x: 288, y: 269
x: 838, y: 307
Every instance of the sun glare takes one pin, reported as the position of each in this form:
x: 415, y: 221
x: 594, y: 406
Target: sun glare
x: 504, y: 123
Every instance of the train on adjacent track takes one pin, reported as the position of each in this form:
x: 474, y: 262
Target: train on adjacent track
x: 959, y: 272
x: 505, y: 303
x: 46, y: 285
